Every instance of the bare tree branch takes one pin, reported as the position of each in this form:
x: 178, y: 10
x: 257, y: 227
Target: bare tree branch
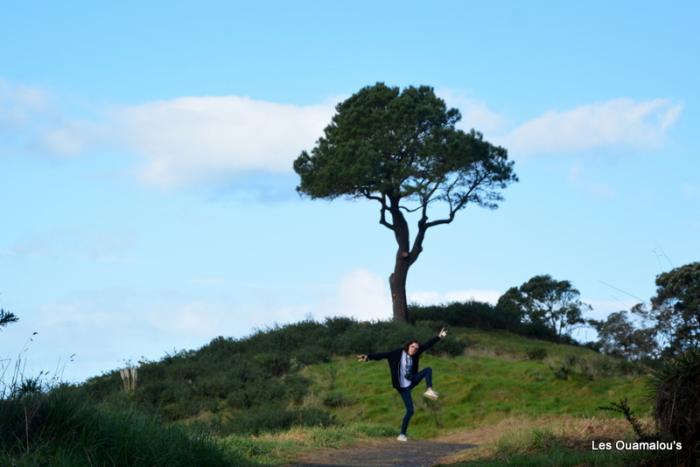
x: 460, y: 204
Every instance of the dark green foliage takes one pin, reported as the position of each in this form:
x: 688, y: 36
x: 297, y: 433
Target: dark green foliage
x: 676, y: 388
x: 6, y: 318
x: 537, y: 353
x: 236, y: 380
x: 676, y: 308
x: 64, y: 428
x: 573, y: 365
x: 450, y: 347
x: 401, y: 143
x: 483, y: 315
x: 545, y: 302
x: 618, y: 336
x: 471, y: 314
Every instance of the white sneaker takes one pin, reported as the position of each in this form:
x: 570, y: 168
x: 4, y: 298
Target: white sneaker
x: 430, y: 394
x: 402, y: 438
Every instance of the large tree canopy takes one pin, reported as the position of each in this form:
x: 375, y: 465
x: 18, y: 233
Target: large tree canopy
x: 402, y: 150
x: 547, y: 302
x: 403, y: 146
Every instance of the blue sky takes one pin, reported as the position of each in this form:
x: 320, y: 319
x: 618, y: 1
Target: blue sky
x: 146, y: 150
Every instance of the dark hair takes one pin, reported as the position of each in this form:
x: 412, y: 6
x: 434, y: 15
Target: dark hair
x: 408, y: 344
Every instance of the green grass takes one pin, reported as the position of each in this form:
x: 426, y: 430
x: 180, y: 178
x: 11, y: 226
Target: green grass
x: 541, y: 447
x: 60, y: 428
x: 286, y: 447
x: 492, y: 381
x: 496, y: 378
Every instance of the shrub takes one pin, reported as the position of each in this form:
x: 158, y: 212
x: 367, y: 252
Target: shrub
x: 337, y: 399
x: 237, y: 375
x: 677, y: 402
x: 537, y: 353
x: 450, y: 346
x: 62, y: 427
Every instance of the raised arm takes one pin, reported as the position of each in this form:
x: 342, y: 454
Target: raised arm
x: 432, y: 341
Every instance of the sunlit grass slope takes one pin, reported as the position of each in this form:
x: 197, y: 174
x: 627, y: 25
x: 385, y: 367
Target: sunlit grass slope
x: 500, y: 375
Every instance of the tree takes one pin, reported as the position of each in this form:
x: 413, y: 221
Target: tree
x: 401, y: 149
x: 676, y: 308
x: 617, y: 335
x: 544, y: 301
x: 6, y: 318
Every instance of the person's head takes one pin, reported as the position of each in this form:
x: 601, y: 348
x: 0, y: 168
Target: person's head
x: 411, y: 347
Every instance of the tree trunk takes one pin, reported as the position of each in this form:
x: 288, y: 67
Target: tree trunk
x: 405, y: 257
x: 397, y: 284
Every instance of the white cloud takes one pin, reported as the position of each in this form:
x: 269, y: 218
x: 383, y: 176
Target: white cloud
x: 437, y: 298
x: 617, y: 122
x: 475, y: 113
x: 193, y: 139
x: 67, y: 140
x: 20, y: 103
x: 363, y: 295
x: 359, y: 294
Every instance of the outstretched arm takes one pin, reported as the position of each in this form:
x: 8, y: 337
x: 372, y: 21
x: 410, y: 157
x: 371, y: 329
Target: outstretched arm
x: 373, y: 356
x: 432, y: 341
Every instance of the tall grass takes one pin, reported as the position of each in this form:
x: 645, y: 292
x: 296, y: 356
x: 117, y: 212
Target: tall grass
x: 44, y: 422
x: 61, y: 428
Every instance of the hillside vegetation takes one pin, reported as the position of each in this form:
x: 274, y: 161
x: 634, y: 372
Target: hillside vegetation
x: 499, y: 375
x: 285, y: 390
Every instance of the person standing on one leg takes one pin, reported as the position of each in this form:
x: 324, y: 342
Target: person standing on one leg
x: 403, y: 364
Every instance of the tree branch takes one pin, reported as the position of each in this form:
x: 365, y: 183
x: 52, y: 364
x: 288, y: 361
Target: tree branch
x: 369, y: 195
x: 462, y: 201
x: 411, y: 210
x: 382, y: 214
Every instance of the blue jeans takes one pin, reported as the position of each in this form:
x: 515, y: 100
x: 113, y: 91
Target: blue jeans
x: 426, y: 373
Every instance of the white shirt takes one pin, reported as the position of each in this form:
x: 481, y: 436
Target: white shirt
x: 406, y: 363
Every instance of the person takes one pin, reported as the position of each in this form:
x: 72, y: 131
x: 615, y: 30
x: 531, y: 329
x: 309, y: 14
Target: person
x: 403, y: 365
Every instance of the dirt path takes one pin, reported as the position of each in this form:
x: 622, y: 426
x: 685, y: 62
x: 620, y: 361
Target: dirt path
x: 384, y: 453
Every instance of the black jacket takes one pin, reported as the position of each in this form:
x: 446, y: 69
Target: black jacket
x: 394, y: 358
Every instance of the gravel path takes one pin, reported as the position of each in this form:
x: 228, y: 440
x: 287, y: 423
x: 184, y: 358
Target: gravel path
x: 411, y: 454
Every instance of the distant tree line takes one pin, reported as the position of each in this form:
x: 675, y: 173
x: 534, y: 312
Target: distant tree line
x: 542, y: 307
x: 668, y: 326
x: 546, y: 308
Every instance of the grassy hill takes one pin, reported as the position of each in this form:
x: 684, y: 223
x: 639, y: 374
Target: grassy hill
x: 499, y: 380
x: 500, y: 375
x: 288, y: 389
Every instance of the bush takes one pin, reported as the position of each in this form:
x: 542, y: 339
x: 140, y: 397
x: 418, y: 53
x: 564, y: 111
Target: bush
x: 66, y: 429
x: 240, y: 375
x: 337, y: 399
x: 537, y: 353
x: 677, y: 408
x: 450, y: 346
